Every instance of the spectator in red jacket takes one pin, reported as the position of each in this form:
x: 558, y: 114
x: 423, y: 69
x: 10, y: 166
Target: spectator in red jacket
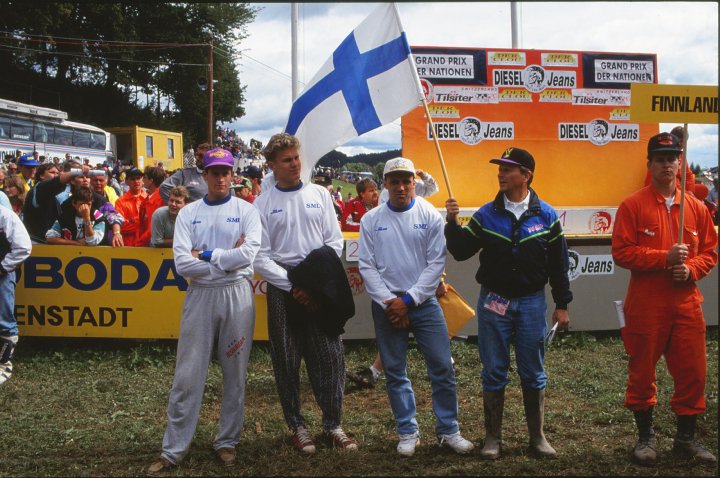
x: 356, y: 208
x: 129, y: 205
x: 152, y: 179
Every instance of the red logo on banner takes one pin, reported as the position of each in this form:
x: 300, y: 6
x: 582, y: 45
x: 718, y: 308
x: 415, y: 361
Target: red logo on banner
x: 357, y: 285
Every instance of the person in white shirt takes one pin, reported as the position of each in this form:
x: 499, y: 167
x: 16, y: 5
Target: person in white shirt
x: 215, y: 243
x: 298, y: 218
x: 402, y: 257
x: 15, y: 247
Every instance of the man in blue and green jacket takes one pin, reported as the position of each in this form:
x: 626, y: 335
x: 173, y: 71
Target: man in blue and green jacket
x: 521, y: 246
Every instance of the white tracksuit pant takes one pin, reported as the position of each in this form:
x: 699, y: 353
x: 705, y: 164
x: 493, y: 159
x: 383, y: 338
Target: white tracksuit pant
x: 212, y: 314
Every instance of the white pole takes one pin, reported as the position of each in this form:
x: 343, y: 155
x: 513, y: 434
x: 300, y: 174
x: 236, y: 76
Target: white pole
x: 294, y: 49
x: 514, y: 22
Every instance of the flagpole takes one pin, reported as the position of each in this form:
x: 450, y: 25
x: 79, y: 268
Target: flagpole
x: 683, y: 165
x: 437, y: 146
x: 427, y: 111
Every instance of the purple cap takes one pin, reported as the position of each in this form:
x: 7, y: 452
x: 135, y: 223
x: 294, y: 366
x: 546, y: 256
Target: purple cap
x: 516, y: 157
x: 218, y: 157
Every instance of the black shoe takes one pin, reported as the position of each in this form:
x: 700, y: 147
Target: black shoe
x: 363, y: 377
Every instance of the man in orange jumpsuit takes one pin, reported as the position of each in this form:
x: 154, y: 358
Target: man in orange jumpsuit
x: 663, y: 313
x: 129, y: 205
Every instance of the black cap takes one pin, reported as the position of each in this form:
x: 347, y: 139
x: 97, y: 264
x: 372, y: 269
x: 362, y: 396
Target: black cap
x: 516, y: 157
x: 252, y: 172
x: 664, y: 142
x: 133, y: 172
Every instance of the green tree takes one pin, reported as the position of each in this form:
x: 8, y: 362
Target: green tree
x: 97, y: 62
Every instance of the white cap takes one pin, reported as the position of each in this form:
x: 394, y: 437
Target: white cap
x: 399, y: 165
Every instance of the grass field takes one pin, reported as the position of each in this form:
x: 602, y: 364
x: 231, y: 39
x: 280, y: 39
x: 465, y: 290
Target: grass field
x: 83, y: 407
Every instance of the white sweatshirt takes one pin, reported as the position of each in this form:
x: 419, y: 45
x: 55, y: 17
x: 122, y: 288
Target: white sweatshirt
x: 217, y: 226
x: 14, y: 231
x: 294, y: 223
x: 402, y: 251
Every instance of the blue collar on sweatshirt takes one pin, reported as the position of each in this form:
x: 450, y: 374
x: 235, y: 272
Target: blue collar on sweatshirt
x: 402, y: 209
x: 291, y: 189
x: 218, y: 202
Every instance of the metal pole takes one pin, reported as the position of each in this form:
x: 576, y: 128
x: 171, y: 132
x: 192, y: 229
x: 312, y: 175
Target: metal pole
x: 294, y: 49
x: 514, y: 24
x: 684, y: 166
x: 210, y: 89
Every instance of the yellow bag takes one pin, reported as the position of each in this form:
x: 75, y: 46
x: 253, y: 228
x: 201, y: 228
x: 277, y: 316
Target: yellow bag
x: 456, y: 310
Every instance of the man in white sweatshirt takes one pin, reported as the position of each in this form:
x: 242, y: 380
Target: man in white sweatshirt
x: 402, y: 257
x: 298, y: 218
x: 215, y: 243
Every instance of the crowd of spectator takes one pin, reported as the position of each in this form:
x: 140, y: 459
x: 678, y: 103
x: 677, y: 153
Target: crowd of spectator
x: 69, y: 201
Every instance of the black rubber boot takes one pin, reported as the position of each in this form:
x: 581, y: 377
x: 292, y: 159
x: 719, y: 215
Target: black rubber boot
x: 493, y: 405
x: 685, y: 443
x: 534, y: 401
x: 645, y: 451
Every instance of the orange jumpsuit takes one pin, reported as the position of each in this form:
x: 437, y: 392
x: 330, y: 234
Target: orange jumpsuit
x: 129, y: 206
x: 147, y: 209
x: 663, y: 317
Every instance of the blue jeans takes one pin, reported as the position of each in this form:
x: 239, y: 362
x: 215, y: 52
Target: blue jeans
x: 8, y: 324
x: 427, y: 324
x: 524, y: 320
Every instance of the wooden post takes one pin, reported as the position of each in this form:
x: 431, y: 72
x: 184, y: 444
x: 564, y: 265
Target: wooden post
x: 437, y: 147
x: 683, y: 165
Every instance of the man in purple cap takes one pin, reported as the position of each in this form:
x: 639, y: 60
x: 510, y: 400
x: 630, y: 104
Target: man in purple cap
x: 27, y: 166
x: 215, y: 242
x: 521, y: 246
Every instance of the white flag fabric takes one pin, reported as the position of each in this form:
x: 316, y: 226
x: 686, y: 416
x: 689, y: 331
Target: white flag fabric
x: 369, y: 81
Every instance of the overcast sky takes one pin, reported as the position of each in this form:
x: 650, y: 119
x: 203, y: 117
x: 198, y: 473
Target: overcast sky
x: 684, y: 35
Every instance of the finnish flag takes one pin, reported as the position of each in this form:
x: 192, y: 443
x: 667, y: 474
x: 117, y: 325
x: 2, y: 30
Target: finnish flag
x: 369, y: 81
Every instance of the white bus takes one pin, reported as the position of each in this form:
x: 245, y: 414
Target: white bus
x: 29, y: 128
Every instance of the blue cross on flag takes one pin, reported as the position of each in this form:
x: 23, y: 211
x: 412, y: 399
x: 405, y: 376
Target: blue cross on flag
x: 369, y: 81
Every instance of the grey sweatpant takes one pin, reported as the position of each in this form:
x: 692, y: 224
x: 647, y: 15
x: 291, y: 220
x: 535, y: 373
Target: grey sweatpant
x: 224, y: 314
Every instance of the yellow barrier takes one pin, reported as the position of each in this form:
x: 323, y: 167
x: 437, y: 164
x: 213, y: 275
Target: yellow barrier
x: 133, y: 292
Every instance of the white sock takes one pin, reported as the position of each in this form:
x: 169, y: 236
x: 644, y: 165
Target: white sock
x: 376, y: 373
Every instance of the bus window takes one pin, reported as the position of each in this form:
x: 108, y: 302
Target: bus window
x: 63, y: 136
x: 171, y: 148
x: 40, y: 132
x: 4, y: 127
x: 81, y: 139
x: 97, y: 141
x: 21, y: 129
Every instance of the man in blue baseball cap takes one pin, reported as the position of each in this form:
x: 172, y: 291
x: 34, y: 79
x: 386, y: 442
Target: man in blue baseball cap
x: 27, y: 166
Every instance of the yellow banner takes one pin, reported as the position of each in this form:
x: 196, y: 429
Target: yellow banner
x: 674, y: 104
x: 131, y: 292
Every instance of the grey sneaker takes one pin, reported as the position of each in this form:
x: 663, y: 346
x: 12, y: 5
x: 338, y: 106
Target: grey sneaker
x: 407, y: 444
x: 456, y: 442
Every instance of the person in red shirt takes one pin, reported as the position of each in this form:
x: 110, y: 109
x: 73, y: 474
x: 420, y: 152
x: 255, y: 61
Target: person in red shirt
x: 152, y: 179
x: 356, y: 208
x: 129, y: 205
x: 663, y: 314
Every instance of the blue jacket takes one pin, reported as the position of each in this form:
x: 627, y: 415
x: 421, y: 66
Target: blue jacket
x: 517, y: 256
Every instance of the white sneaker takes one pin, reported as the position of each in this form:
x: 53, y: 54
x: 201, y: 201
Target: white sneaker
x: 456, y: 442
x: 5, y: 371
x: 407, y: 444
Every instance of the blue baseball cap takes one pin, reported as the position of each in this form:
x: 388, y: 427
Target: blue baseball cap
x: 28, y: 160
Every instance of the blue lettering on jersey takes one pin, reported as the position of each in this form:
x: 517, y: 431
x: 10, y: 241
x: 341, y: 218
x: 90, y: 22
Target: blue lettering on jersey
x: 195, y: 221
x: 275, y: 211
x: 311, y: 205
x: 232, y: 219
x: 380, y: 228
x: 420, y: 226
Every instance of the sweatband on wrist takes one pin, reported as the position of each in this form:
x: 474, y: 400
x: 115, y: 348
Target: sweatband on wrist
x: 205, y: 255
x: 407, y: 298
